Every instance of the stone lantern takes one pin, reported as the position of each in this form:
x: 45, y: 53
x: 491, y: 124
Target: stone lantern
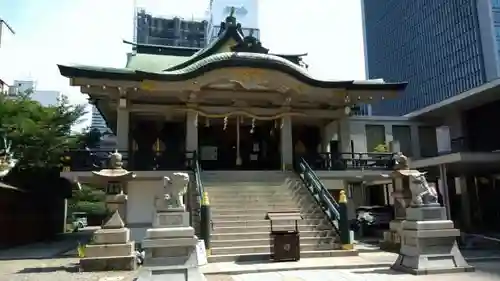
x: 111, y: 248
x: 115, y: 180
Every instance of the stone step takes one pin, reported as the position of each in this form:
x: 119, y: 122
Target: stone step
x: 263, y: 184
x: 267, y: 228
x: 328, y: 240
x: 244, y: 193
x: 261, y: 201
x: 265, y: 235
x: 260, y: 216
x: 238, y: 250
x: 248, y: 195
x: 244, y: 188
x: 245, y: 212
x: 305, y: 208
x: 265, y: 255
x: 278, y: 206
x: 242, y: 223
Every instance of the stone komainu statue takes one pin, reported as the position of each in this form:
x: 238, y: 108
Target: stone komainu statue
x: 422, y: 192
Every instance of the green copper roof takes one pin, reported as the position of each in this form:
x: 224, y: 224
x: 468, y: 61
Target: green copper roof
x: 153, y: 63
x: 231, y: 49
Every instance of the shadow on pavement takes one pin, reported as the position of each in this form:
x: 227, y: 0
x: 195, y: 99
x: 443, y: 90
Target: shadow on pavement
x: 72, y: 268
x: 48, y: 249
x: 385, y: 271
x: 490, y: 267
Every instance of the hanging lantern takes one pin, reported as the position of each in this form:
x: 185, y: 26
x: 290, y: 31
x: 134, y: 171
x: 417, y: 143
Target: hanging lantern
x: 196, y: 120
x: 225, y: 123
x: 275, y: 123
x: 252, y: 130
x: 207, y: 122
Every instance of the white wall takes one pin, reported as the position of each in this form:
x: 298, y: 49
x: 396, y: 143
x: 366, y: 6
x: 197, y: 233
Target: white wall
x: 353, y: 128
x: 140, y: 205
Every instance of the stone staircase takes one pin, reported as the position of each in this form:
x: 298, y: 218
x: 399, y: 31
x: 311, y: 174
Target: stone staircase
x: 240, y: 201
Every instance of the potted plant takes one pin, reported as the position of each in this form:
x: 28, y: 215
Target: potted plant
x: 381, y: 148
x: 379, y: 159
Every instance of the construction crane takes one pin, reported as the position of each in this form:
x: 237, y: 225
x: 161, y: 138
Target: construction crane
x: 2, y: 23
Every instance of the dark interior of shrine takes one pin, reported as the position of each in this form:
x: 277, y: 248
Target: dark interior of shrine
x: 259, y: 145
x: 162, y: 145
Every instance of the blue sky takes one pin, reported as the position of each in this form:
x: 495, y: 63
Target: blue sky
x: 51, y: 32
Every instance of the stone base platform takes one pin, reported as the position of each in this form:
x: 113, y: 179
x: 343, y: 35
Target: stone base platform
x: 171, y: 273
x: 428, y: 244
x: 108, y: 263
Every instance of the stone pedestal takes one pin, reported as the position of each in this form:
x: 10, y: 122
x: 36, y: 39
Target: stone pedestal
x: 118, y: 202
x: 428, y: 243
x: 170, y: 246
x: 402, y: 197
x: 111, y: 248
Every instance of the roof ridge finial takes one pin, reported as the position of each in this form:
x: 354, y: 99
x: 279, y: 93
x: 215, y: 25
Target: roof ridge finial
x: 231, y: 20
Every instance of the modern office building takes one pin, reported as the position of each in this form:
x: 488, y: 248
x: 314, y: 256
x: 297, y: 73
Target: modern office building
x: 174, y: 31
x: 441, y: 47
x: 44, y: 97
x: 246, y: 11
x: 98, y: 122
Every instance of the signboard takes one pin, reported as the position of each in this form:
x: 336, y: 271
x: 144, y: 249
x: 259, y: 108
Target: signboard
x: 201, y: 253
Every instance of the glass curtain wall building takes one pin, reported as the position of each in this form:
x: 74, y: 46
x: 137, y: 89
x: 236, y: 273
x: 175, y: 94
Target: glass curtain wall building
x: 441, y: 47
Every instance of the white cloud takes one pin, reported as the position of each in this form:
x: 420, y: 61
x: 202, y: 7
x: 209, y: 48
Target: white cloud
x: 91, y: 32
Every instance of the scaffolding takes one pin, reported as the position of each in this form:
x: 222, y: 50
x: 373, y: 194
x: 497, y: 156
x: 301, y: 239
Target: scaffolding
x: 168, y: 30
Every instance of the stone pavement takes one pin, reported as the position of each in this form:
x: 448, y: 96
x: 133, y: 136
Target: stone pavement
x: 48, y: 249
x: 60, y: 269
x: 364, y: 260
x: 485, y: 272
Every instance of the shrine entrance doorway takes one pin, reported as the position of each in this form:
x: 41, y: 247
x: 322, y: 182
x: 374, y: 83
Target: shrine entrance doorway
x: 239, y: 145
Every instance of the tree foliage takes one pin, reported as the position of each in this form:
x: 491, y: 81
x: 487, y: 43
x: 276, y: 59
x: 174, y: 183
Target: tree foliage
x: 90, y: 138
x: 39, y: 134
x: 89, y: 200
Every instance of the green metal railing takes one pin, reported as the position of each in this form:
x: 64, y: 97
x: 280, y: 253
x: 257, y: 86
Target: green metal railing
x: 319, y: 192
x: 335, y: 211
x: 204, y: 204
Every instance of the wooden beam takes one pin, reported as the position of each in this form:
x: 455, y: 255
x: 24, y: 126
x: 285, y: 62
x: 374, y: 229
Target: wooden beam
x: 104, y: 82
x: 217, y: 110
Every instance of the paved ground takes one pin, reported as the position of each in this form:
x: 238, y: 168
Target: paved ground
x: 63, y: 269
x: 49, y: 249
x: 486, y: 271
x: 44, y: 262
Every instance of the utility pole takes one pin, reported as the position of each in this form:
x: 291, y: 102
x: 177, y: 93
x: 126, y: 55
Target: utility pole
x: 9, y: 28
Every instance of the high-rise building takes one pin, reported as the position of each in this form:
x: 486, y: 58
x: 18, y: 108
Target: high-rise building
x: 175, y: 31
x: 44, y: 97
x: 246, y: 11
x: 441, y: 47
x: 98, y: 122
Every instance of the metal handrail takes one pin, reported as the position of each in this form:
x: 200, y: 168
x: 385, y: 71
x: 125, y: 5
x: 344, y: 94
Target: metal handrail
x: 324, y: 197
x: 196, y: 169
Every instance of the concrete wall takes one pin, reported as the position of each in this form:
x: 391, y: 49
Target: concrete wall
x: 140, y: 206
x: 354, y: 128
